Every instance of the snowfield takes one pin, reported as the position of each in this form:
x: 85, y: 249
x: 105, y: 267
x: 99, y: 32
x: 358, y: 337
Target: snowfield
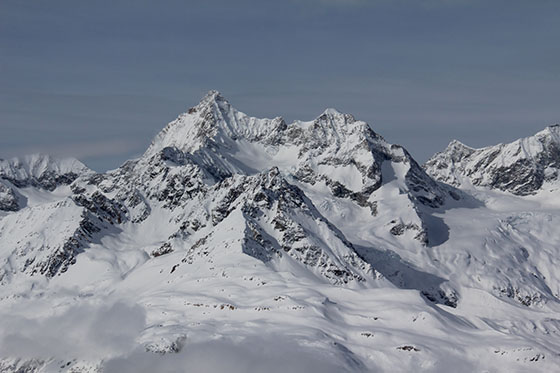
x: 242, y: 244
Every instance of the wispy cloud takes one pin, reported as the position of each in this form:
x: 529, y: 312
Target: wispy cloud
x: 87, y: 331
x: 110, y: 333
x: 272, y: 354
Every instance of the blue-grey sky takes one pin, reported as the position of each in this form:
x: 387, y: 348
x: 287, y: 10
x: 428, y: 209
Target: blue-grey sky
x: 98, y: 79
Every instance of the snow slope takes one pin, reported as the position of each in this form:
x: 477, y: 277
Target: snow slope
x: 244, y: 244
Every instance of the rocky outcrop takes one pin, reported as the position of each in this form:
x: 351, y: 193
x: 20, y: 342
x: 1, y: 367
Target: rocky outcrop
x: 8, y: 198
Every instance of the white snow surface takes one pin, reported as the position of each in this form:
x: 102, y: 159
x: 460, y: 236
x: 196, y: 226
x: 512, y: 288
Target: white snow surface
x: 246, y: 245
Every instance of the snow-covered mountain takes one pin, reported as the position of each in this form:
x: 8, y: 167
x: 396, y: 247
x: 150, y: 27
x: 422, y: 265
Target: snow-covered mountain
x: 522, y: 167
x: 38, y: 170
x: 41, y: 171
x: 254, y: 239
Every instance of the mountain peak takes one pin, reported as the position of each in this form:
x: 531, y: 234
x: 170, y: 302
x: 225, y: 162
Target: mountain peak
x: 213, y: 96
x: 214, y: 117
x: 457, y: 144
x: 212, y: 100
x: 457, y: 150
x: 331, y: 111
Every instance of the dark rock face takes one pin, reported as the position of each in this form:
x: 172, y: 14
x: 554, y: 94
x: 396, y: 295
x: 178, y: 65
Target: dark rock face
x: 522, y: 296
x: 102, y: 207
x: 60, y: 260
x: 49, y: 180
x: 425, y: 190
x: 8, y: 199
x: 521, y: 178
x: 439, y: 296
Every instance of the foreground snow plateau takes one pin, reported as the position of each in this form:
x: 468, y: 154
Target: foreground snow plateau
x: 244, y: 244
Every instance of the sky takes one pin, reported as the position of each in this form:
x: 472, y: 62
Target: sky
x: 96, y: 80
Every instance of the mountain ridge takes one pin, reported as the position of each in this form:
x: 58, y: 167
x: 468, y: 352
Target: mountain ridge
x: 520, y: 167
